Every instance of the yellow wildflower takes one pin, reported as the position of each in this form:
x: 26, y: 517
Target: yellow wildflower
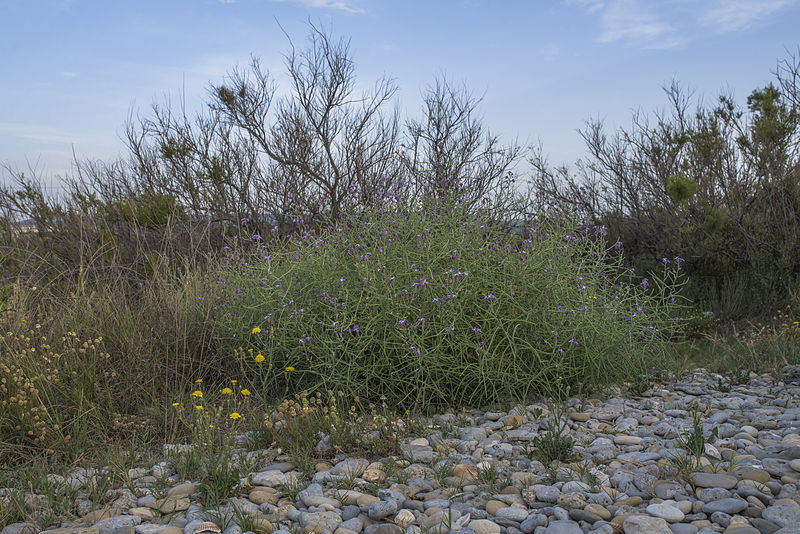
x: 233, y: 381
x: 176, y: 403
x: 259, y: 358
x: 235, y: 415
x: 245, y: 392
x: 256, y: 330
x: 197, y: 393
x: 199, y: 381
x: 227, y: 391
x: 290, y: 368
x: 199, y: 406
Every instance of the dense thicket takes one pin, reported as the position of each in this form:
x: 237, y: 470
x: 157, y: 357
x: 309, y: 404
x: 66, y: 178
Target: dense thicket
x: 718, y: 185
x: 714, y: 184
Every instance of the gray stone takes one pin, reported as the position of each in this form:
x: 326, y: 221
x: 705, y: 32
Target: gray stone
x: 383, y: 528
x: 20, y: 528
x: 730, y: 506
x: 714, y: 480
x: 666, y: 511
x: 110, y: 525
x: 417, y: 453
x: 683, y: 528
x: 563, y: 527
x: 320, y: 521
x: 547, y: 494
x: 533, y: 521
x: 350, y: 467
x: 382, y: 509
x: 484, y: 526
x: 713, y: 494
x: 355, y: 524
x: 350, y: 511
x: 784, y: 515
x: 512, y: 514
x: 642, y: 524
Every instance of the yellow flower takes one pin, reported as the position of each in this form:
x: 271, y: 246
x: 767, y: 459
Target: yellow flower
x: 233, y: 381
x: 227, y: 391
x: 210, y: 426
x: 235, y: 415
x: 199, y: 381
x: 290, y: 368
x: 256, y: 330
x: 197, y: 393
x: 199, y: 406
x: 259, y: 358
x: 245, y: 392
x: 176, y: 403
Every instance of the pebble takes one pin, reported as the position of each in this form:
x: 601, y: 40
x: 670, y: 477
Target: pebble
x: 623, y: 482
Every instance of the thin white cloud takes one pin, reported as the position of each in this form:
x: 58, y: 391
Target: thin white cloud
x: 343, y: 5
x: 592, y: 6
x: 68, y: 74
x: 733, y: 15
x: 630, y: 20
x: 671, y: 23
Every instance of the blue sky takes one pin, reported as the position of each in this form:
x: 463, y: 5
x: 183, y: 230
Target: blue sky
x: 74, y: 70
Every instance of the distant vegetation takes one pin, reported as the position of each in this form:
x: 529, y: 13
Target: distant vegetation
x: 316, y: 242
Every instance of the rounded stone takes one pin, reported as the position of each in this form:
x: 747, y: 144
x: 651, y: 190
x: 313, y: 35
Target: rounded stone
x: 484, y: 526
x: 666, y: 511
x: 729, y: 505
x: 598, y: 510
x: 642, y: 524
x: 512, y: 514
x: 757, y: 475
x: 493, y: 506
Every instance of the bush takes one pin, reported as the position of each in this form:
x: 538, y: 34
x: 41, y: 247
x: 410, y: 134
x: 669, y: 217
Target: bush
x: 431, y: 306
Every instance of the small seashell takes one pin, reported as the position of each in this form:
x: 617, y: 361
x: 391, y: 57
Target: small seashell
x: 207, y: 527
x: 404, y: 518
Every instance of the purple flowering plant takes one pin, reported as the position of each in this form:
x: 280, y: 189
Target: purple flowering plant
x: 430, y: 302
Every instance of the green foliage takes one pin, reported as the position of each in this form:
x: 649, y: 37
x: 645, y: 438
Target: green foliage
x: 694, y: 442
x: 555, y: 445
x: 431, y: 308
x: 151, y: 210
x: 681, y: 188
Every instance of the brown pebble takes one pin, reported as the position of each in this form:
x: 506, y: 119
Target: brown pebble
x: 493, y: 506
x: 261, y: 495
x: 467, y: 472
x: 581, y: 417
x: 757, y: 475
x: 103, y: 513
x: 514, y: 420
x: 630, y: 501
x: 510, y: 490
x: 598, y: 510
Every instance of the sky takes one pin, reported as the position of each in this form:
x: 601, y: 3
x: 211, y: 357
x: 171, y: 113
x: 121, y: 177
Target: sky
x: 74, y: 71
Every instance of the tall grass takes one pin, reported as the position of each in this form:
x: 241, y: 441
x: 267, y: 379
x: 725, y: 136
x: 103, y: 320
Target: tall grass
x: 433, y: 306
